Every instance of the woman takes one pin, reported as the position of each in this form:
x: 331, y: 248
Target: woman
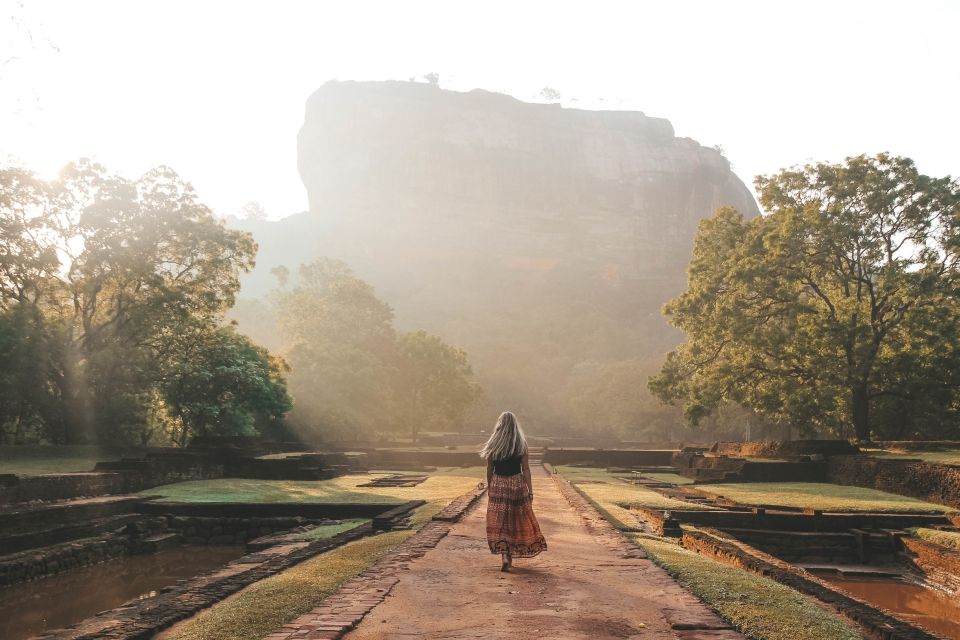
x: 512, y: 529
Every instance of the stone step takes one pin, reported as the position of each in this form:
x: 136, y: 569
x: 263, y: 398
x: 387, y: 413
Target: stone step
x: 24, y: 540
x: 157, y: 542
x: 42, y: 516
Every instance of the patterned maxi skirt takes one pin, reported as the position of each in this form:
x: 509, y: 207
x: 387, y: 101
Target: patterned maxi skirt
x: 511, y: 526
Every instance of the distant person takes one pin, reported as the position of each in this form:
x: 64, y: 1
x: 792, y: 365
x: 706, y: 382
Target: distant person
x: 512, y: 529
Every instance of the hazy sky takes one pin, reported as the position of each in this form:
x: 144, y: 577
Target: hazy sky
x: 217, y: 89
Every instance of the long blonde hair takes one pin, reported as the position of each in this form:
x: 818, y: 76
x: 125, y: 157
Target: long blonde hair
x: 507, y: 439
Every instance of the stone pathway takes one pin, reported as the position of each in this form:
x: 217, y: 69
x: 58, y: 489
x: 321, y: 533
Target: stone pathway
x: 590, y: 583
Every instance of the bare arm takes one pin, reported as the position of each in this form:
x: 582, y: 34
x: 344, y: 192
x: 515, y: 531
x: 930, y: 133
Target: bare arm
x: 489, y: 470
x: 527, y: 478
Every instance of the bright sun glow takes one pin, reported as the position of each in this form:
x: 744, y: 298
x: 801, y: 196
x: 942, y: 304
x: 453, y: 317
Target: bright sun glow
x: 772, y: 84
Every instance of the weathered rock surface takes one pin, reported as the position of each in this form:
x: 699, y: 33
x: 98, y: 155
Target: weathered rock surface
x: 495, y: 222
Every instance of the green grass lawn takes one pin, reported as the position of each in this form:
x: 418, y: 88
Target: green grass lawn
x: 329, y: 530
x: 672, y: 478
x: 34, y: 460
x: 818, y: 495
x: 438, y: 490
x: 949, y: 539
x: 759, y: 607
x: 613, y: 497
x: 951, y: 456
x: 267, y: 605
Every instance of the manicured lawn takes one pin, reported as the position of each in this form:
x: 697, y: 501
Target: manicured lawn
x: 438, y: 490
x: 33, y: 460
x: 818, y: 495
x: 672, y: 478
x: 329, y: 530
x: 949, y: 539
x: 265, y: 606
x: 943, y: 457
x: 757, y: 606
x: 613, y: 497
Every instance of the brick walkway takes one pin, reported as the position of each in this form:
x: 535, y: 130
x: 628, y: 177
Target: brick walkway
x: 444, y: 583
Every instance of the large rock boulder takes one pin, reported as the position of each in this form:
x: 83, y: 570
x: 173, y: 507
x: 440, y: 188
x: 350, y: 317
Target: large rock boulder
x: 538, y: 238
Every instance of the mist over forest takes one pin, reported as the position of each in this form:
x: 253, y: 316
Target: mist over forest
x: 466, y: 252
x: 541, y: 240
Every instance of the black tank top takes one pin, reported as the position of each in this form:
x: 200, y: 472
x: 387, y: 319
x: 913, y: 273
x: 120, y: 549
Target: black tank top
x: 508, y: 466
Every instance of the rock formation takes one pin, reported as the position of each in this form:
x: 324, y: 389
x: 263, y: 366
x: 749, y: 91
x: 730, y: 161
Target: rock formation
x: 546, y: 235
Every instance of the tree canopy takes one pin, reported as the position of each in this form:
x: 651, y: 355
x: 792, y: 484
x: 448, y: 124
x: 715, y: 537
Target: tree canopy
x: 836, y: 311
x: 101, y: 277
x: 351, y: 372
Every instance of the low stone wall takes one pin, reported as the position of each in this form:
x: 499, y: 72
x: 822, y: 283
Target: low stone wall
x: 667, y: 522
x: 166, y: 468
x: 209, y: 531
x: 785, y: 448
x: 874, y: 622
x: 403, y: 459
x: 60, y: 486
x: 939, y: 483
x: 609, y: 457
x: 51, y: 560
x: 252, y: 510
x: 82, y: 553
x: 939, y: 565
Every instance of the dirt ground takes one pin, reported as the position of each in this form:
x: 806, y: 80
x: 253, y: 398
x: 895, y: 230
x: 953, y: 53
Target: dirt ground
x: 586, y: 585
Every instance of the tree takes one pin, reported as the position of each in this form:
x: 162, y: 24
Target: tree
x: 254, y: 211
x: 220, y: 383
x: 549, y: 94
x: 339, y: 340
x: 433, y: 78
x: 351, y: 373
x: 828, y: 306
x: 100, y: 275
x: 434, y: 387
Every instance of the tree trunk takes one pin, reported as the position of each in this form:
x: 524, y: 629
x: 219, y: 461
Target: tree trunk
x: 860, y: 401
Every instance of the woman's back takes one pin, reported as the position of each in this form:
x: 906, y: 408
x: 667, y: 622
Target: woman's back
x: 508, y: 466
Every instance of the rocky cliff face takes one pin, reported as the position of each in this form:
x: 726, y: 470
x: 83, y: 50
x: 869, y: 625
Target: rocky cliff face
x: 534, y: 187
x: 545, y: 236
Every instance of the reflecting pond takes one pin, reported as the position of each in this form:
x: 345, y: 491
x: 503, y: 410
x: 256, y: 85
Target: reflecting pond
x: 933, y: 610
x: 50, y: 603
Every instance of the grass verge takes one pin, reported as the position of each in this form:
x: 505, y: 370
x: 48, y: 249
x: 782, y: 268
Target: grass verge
x: 443, y: 486
x: 949, y: 456
x: 265, y: 606
x: 329, y: 530
x: 949, y: 539
x: 613, y: 497
x: 818, y: 495
x: 757, y: 606
x: 672, y: 478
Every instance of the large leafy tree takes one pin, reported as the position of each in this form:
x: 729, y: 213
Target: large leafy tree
x: 350, y: 371
x: 101, y: 274
x: 222, y: 384
x: 434, y: 387
x: 840, y: 301
x: 338, y: 338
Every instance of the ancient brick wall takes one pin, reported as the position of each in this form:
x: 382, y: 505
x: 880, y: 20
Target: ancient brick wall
x: 938, y: 483
x: 608, y: 457
x: 940, y: 566
x: 61, y: 486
